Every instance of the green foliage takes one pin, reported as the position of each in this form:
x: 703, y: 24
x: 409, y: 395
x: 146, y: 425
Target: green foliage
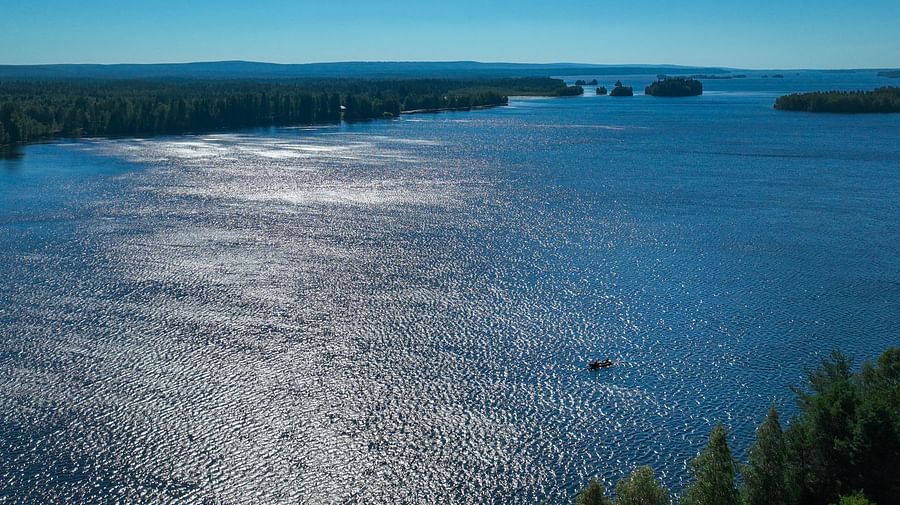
x: 602, y: 90
x: 675, y: 86
x: 855, y: 499
x: 593, y: 494
x: 714, y: 471
x: 885, y: 99
x: 847, y: 436
x: 33, y: 110
x: 570, y: 91
x: 622, y: 90
x: 641, y: 488
x: 765, y: 478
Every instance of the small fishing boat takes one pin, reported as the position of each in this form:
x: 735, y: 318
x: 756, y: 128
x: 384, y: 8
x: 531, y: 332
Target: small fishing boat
x: 596, y: 365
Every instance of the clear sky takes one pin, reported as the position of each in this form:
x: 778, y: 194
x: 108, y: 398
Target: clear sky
x: 747, y: 34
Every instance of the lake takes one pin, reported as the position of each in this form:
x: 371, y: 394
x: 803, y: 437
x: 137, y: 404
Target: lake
x: 402, y: 310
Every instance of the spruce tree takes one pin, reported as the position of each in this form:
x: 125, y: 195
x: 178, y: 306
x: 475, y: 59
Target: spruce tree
x: 765, y: 476
x: 641, y: 488
x: 593, y: 494
x: 714, y: 471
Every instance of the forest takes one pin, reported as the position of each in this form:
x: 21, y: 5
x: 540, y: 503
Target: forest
x: 621, y: 90
x: 886, y: 99
x: 842, y: 448
x: 34, y: 110
x: 675, y: 86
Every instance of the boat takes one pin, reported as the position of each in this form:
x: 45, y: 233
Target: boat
x: 596, y: 364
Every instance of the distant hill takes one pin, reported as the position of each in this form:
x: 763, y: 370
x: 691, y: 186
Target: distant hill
x: 255, y: 70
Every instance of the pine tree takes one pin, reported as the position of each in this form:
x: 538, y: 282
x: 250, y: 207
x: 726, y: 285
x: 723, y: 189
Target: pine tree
x: 641, y: 488
x: 765, y: 476
x: 714, y: 471
x: 593, y: 494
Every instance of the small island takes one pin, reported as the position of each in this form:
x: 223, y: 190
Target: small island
x: 576, y: 90
x: 710, y: 77
x: 601, y: 90
x: 622, y: 90
x: 885, y: 99
x: 582, y: 82
x: 675, y: 86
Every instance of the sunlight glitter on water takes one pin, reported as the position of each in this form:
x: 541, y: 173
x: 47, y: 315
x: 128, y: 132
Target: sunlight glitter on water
x: 402, y: 310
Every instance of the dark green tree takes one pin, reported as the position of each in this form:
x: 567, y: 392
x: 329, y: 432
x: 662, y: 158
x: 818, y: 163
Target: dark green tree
x: 592, y: 494
x: 641, y: 488
x: 821, y: 437
x: 713, y: 471
x: 765, y: 478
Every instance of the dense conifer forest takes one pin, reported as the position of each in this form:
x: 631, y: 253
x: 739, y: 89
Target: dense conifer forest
x: 842, y: 448
x: 885, y: 99
x: 33, y: 110
x: 675, y: 86
x: 621, y: 90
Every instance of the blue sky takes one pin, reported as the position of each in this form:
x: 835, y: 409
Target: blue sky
x: 756, y: 34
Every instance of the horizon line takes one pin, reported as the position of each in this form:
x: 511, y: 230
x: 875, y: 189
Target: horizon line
x: 523, y: 63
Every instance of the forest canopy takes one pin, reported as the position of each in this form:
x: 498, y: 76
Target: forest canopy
x: 675, y: 86
x: 885, y: 99
x: 33, y: 110
x: 621, y: 90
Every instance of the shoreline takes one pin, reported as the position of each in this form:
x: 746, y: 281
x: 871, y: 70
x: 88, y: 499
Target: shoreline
x: 6, y: 149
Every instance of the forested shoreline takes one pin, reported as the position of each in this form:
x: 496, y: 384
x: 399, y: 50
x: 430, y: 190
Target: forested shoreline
x: 885, y: 99
x: 35, y: 110
x: 843, y: 448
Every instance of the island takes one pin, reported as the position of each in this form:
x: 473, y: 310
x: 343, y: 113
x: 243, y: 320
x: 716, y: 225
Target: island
x: 674, y: 87
x: 891, y: 74
x: 885, y: 99
x: 712, y: 77
x: 601, y: 90
x: 582, y: 82
x: 622, y: 90
x: 33, y: 110
x: 718, y: 77
x: 569, y: 91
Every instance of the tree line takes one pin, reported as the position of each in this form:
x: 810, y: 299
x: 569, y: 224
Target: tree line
x: 886, y: 99
x: 842, y: 448
x: 675, y: 86
x: 34, y: 110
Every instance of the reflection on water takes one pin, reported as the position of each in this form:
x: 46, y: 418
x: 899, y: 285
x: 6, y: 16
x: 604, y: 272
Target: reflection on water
x: 397, y: 311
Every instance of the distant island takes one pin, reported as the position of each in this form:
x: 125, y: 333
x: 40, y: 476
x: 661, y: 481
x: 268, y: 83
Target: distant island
x: 34, y: 109
x: 601, y: 90
x: 892, y: 74
x: 568, y: 91
x: 705, y: 76
x: 581, y: 82
x: 885, y: 99
x: 675, y: 86
x: 622, y: 90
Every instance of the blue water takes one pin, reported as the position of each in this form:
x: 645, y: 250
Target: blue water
x: 401, y: 310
